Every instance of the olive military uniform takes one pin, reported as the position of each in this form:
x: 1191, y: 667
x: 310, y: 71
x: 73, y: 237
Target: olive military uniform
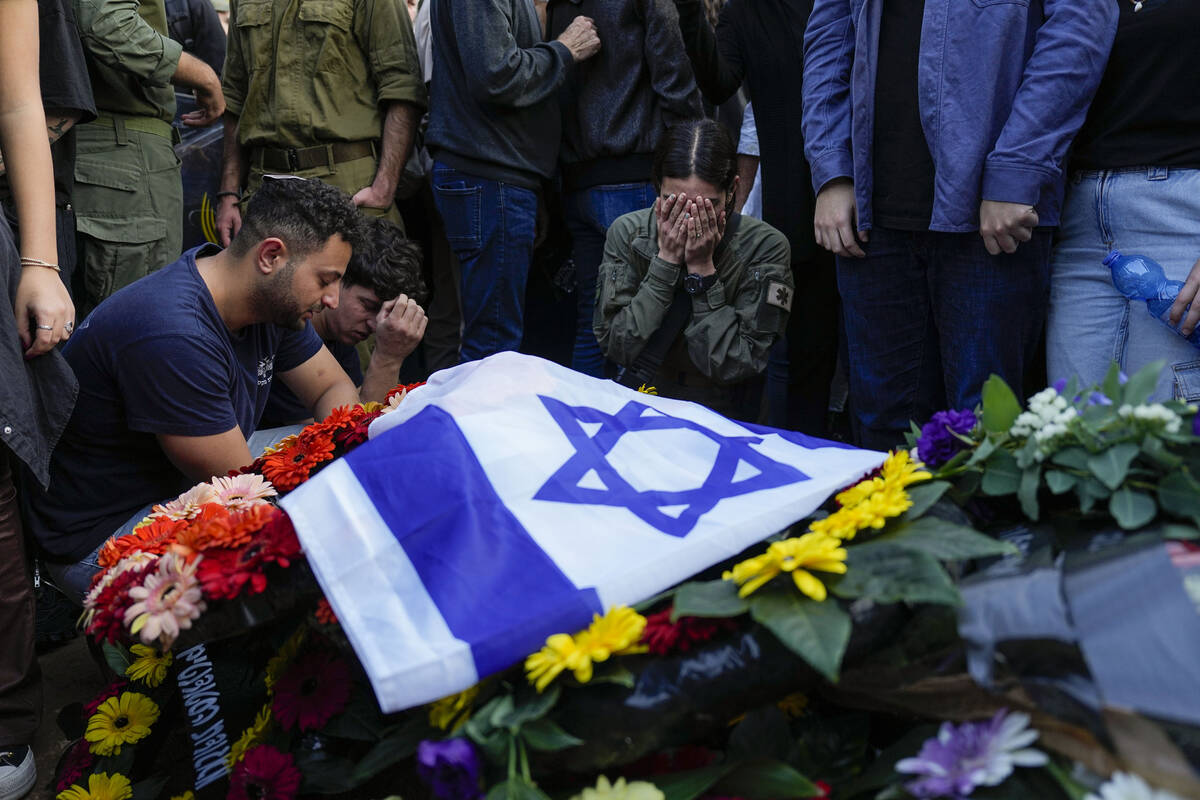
x: 128, y: 191
x: 732, y: 326
x: 310, y: 81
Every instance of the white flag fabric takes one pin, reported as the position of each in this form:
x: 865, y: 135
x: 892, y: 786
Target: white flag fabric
x: 509, y: 499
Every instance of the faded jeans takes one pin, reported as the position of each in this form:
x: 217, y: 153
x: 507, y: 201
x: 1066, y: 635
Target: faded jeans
x: 1151, y: 211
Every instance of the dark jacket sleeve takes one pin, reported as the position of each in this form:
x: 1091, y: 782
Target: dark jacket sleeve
x: 670, y: 75
x: 716, y: 56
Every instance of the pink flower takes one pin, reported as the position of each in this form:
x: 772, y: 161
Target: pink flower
x: 188, y: 504
x: 241, y: 492
x: 264, y: 774
x: 166, y: 603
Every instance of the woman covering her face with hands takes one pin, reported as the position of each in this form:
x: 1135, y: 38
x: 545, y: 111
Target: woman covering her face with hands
x: 726, y: 275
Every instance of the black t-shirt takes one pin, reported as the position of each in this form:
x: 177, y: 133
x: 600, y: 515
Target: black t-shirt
x: 65, y: 86
x: 1147, y: 110
x: 903, y: 168
x: 285, y: 408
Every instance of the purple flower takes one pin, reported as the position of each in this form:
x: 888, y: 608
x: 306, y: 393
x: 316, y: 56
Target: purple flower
x: 963, y: 757
x: 938, y: 444
x: 1060, y: 385
x: 451, y: 768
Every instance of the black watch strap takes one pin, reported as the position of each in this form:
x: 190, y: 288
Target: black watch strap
x: 698, y: 284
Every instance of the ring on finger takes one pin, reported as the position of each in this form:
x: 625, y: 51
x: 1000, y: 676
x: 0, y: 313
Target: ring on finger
x: 45, y: 327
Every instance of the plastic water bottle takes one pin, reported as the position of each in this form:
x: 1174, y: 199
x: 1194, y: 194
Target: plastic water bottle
x: 1142, y: 278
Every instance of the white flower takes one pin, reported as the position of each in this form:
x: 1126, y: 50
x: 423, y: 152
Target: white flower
x: 1126, y: 786
x: 1047, y: 420
x: 188, y: 504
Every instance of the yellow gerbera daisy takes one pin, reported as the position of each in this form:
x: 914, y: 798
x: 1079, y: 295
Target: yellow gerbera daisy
x: 620, y: 790
x: 101, y: 786
x: 812, y: 551
x: 545, y: 665
x: 900, y: 470
x: 859, y: 492
x: 452, y: 711
x: 841, y: 524
x: 615, y: 633
x: 149, y: 667
x: 250, y: 737
x: 120, y: 721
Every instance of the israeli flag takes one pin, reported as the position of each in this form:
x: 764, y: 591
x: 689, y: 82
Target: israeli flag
x: 509, y: 499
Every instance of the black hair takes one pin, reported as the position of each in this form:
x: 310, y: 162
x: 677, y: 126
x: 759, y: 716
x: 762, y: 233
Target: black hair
x: 699, y: 147
x: 304, y: 213
x: 390, y: 265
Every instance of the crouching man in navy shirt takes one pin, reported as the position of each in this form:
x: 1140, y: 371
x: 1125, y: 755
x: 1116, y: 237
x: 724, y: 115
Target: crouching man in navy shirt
x: 175, y: 369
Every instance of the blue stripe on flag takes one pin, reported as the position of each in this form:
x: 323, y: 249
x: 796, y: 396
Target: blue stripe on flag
x: 496, y: 588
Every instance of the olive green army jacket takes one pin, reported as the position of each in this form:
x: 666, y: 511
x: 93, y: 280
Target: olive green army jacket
x: 733, y: 324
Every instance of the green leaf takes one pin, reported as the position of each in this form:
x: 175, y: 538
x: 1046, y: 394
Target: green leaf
x: 982, y: 452
x: 1179, y: 495
x: 1139, y: 387
x: 1001, y: 475
x: 1111, y: 387
x: 392, y: 748
x: 117, y: 658
x: 513, y: 716
x: 946, y: 541
x: 1071, y: 458
x: 1111, y: 466
x: 1090, y: 490
x: 817, y: 632
x: 1060, y: 482
x: 546, y: 735
x: 1000, y: 405
x: 693, y: 783
x: 1132, y: 509
x: 1173, y: 531
x: 708, y: 599
x: 1157, y: 452
x: 516, y: 788
x: 924, y: 496
x: 879, y: 772
x: 614, y: 674
x: 887, y: 572
x: 1027, y: 493
x: 766, y: 780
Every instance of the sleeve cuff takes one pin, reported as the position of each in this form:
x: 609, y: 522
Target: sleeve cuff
x: 563, y: 51
x: 1013, y: 183
x: 663, y: 274
x: 404, y: 88
x: 711, y: 300
x: 168, y: 64
x: 831, y: 165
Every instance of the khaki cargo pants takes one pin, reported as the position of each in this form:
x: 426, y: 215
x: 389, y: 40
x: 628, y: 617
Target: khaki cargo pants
x: 128, y: 205
x: 349, y: 176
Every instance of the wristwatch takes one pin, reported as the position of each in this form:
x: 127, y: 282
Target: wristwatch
x: 698, y: 284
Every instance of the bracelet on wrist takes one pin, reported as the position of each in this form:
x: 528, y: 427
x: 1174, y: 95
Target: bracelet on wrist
x: 236, y: 194
x: 37, y: 262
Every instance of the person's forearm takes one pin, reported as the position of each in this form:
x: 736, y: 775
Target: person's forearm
x: 192, y: 73
x: 341, y: 393
x: 381, y: 377
x: 57, y: 125
x: 233, y: 157
x: 399, y: 134
x: 23, y: 131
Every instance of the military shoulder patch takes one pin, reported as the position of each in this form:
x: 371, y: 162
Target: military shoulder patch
x: 779, y: 295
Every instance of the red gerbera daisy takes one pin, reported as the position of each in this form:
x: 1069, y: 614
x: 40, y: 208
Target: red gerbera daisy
x: 314, y: 688
x: 662, y: 637
x: 264, y: 774
x: 77, y: 763
x: 352, y: 436
x: 108, y: 612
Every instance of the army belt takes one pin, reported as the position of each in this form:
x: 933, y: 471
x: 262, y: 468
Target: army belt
x: 294, y: 159
x: 156, y: 127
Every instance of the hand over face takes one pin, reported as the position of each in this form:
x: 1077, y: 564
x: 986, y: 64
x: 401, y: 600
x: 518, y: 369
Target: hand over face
x: 670, y: 213
x: 399, y: 326
x: 705, y: 227
x: 1005, y: 225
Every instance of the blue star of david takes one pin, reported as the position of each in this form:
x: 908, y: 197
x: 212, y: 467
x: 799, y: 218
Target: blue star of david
x: 591, y: 453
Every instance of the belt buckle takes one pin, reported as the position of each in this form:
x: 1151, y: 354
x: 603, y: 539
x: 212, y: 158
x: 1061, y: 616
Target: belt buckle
x: 293, y: 159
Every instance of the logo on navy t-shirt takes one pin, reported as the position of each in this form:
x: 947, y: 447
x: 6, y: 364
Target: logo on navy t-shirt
x: 266, y: 366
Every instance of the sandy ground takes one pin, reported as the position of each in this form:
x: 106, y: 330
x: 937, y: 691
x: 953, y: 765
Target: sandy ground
x: 69, y: 675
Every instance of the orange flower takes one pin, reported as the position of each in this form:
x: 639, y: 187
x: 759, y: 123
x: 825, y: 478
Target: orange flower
x: 233, y: 529
x: 153, y: 537
x: 291, y: 466
x: 325, y: 613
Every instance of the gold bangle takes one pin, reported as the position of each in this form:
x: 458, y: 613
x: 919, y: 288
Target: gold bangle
x: 37, y: 262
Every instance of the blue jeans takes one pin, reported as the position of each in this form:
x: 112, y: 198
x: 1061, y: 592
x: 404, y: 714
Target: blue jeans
x: 589, y: 213
x: 1152, y: 211
x: 490, y: 227
x: 929, y: 316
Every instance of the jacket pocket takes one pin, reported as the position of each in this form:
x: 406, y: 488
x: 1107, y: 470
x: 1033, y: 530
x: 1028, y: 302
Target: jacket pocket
x: 254, y: 23
x: 1187, y: 381
x: 461, y: 207
x: 327, y: 27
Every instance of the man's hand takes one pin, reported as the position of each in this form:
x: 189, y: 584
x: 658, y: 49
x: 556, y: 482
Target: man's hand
x: 836, y: 217
x: 42, y: 309
x: 1004, y: 225
x: 581, y: 38
x: 1188, y: 294
x: 399, y: 326
x: 371, y: 197
x: 229, y: 220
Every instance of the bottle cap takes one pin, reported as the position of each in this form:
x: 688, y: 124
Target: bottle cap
x: 1112, y: 256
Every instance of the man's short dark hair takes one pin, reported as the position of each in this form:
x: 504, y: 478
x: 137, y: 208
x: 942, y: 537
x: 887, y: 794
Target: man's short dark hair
x: 390, y: 264
x: 304, y: 213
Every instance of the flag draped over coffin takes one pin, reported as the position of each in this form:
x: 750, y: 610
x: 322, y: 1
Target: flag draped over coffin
x: 509, y: 499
